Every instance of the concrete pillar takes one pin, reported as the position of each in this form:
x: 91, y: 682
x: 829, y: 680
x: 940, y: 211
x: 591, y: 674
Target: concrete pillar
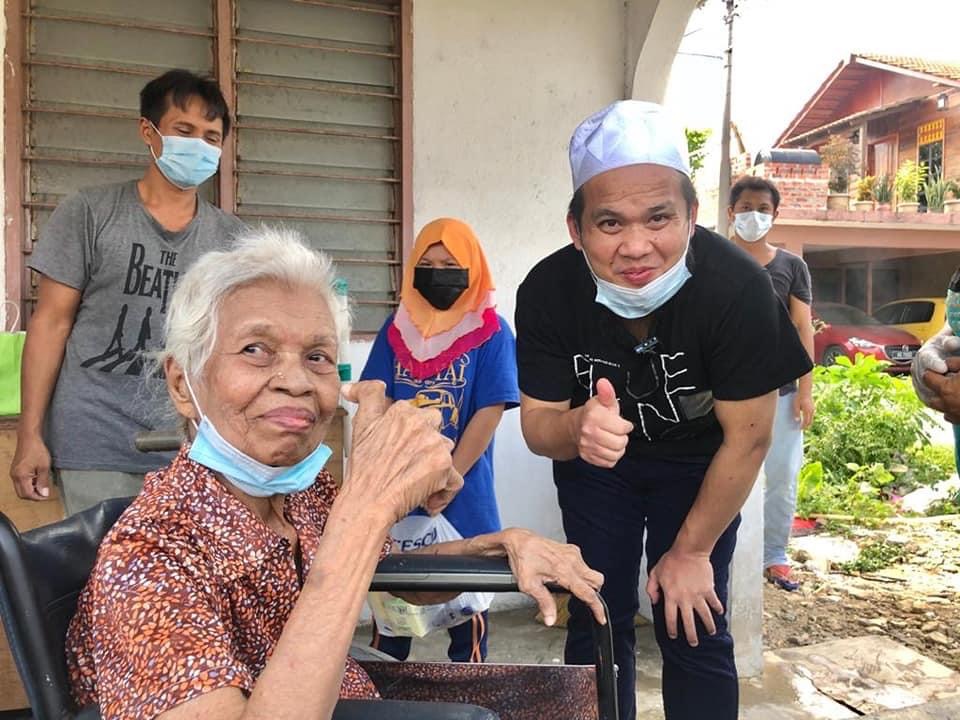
x: 745, y: 603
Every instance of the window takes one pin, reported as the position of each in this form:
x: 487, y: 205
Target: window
x: 842, y: 314
x: 889, y: 314
x: 917, y: 312
x: 316, y: 86
x: 881, y: 157
x: 930, y: 151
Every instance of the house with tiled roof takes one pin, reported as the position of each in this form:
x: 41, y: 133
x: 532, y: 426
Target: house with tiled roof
x: 892, y: 108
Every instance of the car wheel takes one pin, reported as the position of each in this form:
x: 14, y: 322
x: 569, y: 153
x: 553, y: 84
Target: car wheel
x: 831, y: 354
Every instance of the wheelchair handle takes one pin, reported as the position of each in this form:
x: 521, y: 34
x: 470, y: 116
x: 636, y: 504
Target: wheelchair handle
x: 158, y: 440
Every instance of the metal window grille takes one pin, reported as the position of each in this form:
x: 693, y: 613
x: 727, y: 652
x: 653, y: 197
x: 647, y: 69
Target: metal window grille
x: 315, y: 86
x: 318, y: 134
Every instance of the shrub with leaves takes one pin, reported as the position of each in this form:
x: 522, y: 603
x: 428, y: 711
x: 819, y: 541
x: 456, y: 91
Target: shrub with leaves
x: 868, y: 443
x: 883, y: 190
x: 858, y: 499
x: 929, y: 464
x: 696, y: 140
x: 873, y: 556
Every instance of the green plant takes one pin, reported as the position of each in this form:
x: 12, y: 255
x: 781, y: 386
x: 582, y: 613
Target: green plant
x: 868, y: 443
x: 910, y: 176
x: 935, y: 192
x: 874, y: 555
x: 842, y: 157
x: 948, y: 506
x: 864, y: 188
x: 929, y: 464
x: 883, y: 190
x: 817, y: 496
x: 696, y: 140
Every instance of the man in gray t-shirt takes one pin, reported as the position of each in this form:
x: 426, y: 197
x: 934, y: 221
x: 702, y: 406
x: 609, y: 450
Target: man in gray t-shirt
x: 108, y: 260
x: 753, y: 208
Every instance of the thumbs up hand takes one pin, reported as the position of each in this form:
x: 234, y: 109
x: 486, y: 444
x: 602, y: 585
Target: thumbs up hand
x: 601, y: 433
x: 399, y: 458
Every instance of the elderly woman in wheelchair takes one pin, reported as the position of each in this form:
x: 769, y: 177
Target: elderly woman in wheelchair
x: 231, y: 586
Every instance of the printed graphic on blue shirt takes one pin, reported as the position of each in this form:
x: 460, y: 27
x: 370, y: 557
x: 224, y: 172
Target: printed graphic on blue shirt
x: 444, y: 392
x: 482, y: 377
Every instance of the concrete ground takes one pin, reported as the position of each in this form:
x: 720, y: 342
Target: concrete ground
x: 780, y: 694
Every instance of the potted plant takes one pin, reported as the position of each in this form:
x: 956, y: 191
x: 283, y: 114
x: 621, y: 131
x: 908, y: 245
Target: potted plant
x: 841, y: 156
x: 883, y: 191
x: 934, y: 192
x: 951, y: 200
x: 864, y: 193
x: 907, y: 181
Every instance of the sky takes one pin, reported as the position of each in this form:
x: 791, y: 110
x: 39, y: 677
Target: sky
x: 784, y: 50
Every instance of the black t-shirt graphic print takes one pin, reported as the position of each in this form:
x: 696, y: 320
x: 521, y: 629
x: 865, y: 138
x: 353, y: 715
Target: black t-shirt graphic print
x: 723, y: 336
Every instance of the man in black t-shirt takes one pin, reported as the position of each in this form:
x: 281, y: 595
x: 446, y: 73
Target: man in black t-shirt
x: 650, y: 352
x: 753, y: 208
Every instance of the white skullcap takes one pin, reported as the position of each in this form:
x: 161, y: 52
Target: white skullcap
x: 628, y: 132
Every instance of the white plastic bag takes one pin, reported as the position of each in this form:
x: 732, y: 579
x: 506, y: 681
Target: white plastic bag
x: 396, y: 617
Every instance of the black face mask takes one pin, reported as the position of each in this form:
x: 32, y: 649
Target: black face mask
x: 440, y: 286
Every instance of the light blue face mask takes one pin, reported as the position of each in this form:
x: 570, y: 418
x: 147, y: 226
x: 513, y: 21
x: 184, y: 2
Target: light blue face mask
x: 633, y: 303
x: 246, y: 474
x: 186, y: 161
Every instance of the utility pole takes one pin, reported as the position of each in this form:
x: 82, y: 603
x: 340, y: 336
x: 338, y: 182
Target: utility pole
x: 724, y: 191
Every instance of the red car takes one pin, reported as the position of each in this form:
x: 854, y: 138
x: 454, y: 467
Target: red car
x: 848, y: 330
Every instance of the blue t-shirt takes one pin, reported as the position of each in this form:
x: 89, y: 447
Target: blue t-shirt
x: 485, y: 376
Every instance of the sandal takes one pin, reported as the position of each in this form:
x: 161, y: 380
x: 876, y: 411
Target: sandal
x: 782, y: 576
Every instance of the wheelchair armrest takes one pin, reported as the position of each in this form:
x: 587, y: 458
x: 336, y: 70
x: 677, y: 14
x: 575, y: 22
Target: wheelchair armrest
x: 465, y: 573
x: 438, y: 573
x: 158, y: 440
x: 408, y: 710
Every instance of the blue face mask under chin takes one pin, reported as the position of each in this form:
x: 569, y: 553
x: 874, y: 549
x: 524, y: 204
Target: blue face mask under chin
x: 251, y: 476
x: 186, y: 161
x: 633, y: 303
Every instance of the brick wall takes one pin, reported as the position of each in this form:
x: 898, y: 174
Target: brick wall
x: 802, y: 187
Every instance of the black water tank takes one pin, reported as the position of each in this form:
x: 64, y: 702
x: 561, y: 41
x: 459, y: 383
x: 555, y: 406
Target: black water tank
x: 788, y: 155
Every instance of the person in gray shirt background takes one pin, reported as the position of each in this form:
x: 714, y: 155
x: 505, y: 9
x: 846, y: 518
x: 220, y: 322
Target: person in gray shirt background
x: 754, y: 205
x: 108, y: 259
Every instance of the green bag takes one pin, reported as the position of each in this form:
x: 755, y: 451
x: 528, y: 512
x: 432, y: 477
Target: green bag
x: 11, y: 350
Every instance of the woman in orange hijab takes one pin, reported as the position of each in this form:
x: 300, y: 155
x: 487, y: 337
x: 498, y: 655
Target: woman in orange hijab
x: 447, y: 348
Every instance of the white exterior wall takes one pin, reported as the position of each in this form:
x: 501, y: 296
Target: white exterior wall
x: 498, y: 86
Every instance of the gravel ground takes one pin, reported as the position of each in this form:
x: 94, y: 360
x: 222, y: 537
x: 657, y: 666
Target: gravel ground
x: 915, y: 599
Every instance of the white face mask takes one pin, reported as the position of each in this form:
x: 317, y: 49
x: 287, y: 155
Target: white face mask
x: 633, y: 303
x: 751, y: 226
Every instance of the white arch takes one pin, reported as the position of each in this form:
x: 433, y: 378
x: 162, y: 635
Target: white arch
x: 655, y: 29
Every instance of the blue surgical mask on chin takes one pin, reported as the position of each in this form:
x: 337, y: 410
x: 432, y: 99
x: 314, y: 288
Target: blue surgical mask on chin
x: 246, y: 474
x: 186, y: 161
x: 633, y: 303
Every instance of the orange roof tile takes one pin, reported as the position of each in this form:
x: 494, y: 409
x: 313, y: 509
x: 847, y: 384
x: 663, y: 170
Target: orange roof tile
x: 946, y: 70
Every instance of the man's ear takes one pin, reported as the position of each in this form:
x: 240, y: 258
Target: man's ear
x: 573, y: 227
x: 694, y: 211
x: 150, y: 137
x: 178, y: 390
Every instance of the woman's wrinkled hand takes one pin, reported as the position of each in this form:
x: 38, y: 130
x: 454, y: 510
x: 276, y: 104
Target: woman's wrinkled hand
x: 399, y: 460
x: 438, y: 502
x: 536, y: 561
